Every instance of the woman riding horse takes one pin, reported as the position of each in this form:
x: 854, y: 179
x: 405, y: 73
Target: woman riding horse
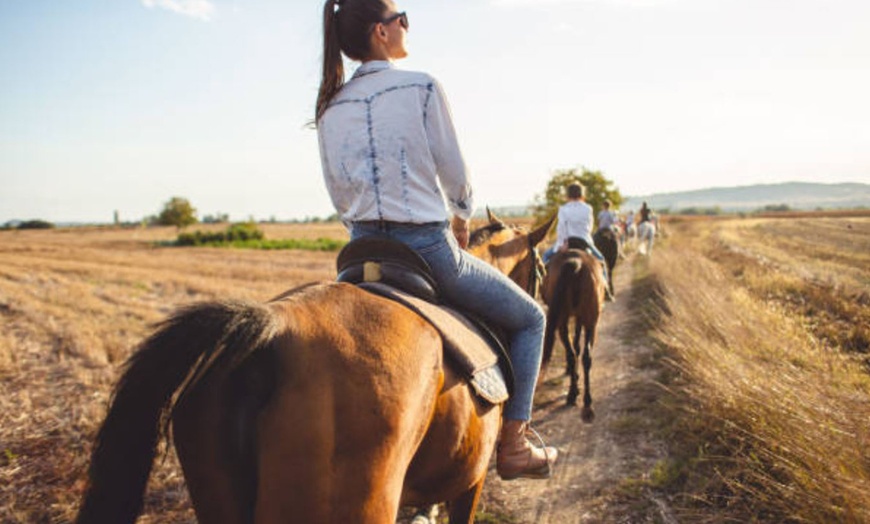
x: 386, y: 141
x: 326, y: 404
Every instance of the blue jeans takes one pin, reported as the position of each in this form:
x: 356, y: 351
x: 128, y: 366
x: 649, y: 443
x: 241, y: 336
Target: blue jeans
x: 465, y: 279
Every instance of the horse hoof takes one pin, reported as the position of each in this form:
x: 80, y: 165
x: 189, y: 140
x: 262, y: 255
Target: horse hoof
x: 426, y: 515
x: 587, y: 415
x: 571, y: 401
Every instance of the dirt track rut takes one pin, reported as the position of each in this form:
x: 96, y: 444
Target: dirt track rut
x: 596, y: 459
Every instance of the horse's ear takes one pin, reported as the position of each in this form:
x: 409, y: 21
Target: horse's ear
x: 493, y: 219
x: 539, y: 234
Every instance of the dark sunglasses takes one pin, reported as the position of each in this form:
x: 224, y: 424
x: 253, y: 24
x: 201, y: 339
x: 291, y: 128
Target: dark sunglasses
x: 401, y: 17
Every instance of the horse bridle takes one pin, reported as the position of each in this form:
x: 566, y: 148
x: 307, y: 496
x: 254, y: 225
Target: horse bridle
x: 536, y: 274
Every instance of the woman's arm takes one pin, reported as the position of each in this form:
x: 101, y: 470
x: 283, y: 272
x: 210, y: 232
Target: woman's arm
x: 561, y: 229
x: 444, y: 146
x: 459, y: 226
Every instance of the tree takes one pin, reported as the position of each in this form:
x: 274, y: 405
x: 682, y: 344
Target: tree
x: 177, y: 212
x: 217, y: 218
x: 598, y: 189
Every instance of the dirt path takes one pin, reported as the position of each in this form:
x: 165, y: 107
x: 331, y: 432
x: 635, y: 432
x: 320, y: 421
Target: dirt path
x: 595, y: 478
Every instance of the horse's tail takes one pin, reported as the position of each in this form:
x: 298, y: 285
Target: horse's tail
x: 184, y: 349
x: 565, y: 291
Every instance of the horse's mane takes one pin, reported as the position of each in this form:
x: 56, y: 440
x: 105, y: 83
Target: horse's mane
x: 483, y: 234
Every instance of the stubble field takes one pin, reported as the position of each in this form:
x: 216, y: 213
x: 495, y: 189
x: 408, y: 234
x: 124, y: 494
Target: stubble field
x: 73, y: 305
x: 762, y: 325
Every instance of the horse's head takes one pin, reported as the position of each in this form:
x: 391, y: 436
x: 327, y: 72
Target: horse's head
x: 512, y: 250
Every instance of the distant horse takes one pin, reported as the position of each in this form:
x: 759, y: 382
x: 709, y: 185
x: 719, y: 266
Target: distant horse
x: 607, y: 242
x: 326, y: 404
x: 574, y: 289
x: 630, y: 232
x: 646, y: 234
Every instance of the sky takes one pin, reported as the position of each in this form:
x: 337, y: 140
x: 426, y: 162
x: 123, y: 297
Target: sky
x: 118, y: 105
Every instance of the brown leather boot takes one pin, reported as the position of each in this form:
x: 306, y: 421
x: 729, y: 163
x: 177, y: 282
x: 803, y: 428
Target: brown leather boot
x: 518, y: 458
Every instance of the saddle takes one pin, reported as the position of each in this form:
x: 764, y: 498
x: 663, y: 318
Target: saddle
x: 609, y: 232
x: 579, y: 243
x: 392, y: 270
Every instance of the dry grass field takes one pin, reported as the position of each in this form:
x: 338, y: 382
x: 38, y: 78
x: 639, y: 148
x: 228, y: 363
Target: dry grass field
x: 73, y: 305
x: 764, y: 323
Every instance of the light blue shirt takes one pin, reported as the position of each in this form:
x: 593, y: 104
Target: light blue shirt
x: 389, y: 150
x: 606, y: 219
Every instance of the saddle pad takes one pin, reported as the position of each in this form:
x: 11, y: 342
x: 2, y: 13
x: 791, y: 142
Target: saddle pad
x: 464, y: 345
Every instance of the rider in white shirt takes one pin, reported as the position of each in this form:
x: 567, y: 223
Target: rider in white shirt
x: 575, y: 220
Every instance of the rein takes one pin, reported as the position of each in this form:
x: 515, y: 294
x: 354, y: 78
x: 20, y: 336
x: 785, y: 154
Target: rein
x: 536, y: 274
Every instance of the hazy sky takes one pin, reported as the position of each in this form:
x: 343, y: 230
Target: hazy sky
x: 121, y: 104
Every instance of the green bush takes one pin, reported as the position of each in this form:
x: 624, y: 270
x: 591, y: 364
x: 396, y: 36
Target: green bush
x: 321, y: 244
x: 35, y: 224
x: 244, y: 231
x: 248, y: 235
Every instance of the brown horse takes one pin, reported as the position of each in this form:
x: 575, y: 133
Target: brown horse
x: 326, y: 404
x: 607, y: 242
x: 574, y: 287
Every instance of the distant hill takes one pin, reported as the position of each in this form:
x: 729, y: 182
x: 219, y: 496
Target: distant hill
x: 795, y: 195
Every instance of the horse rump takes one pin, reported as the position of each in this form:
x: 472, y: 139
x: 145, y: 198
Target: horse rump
x: 563, y: 299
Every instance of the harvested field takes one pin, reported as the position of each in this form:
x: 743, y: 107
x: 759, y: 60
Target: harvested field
x: 73, y: 305
x: 731, y: 380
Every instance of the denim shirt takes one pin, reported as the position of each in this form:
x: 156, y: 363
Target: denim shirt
x: 389, y: 150
x: 606, y: 219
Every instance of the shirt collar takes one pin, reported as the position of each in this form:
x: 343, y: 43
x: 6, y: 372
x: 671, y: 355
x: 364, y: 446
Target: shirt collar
x: 372, y: 66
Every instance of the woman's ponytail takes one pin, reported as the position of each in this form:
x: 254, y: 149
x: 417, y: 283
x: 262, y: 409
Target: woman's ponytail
x: 333, y: 67
x: 347, y: 27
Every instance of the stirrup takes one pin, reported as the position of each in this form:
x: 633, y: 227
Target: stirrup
x: 544, y: 448
x: 544, y: 471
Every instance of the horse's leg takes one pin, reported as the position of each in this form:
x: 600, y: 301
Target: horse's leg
x: 573, y: 349
x: 587, y: 414
x: 570, y: 359
x: 426, y: 515
x: 461, y: 509
x: 466, y: 431
x: 610, y: 266
x: 212, y: 482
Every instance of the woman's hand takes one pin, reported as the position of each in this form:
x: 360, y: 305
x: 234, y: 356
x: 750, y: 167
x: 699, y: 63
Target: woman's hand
x: 460, y: 230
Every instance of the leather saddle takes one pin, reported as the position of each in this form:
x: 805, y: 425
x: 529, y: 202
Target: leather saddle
x: 391, y: 269
x: 579, y: 243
